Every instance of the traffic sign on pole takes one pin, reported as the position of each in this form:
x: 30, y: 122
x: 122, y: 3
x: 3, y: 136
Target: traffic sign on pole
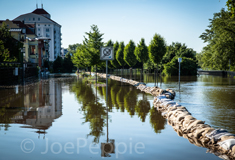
x: 106, y: 53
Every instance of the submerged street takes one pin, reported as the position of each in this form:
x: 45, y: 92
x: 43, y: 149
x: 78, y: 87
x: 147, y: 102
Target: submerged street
x: 66, y: 118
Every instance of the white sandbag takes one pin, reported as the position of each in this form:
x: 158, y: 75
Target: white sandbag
x: 218, y: 133
x: 227, y: 144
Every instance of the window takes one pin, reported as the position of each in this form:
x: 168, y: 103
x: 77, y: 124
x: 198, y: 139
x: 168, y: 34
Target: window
x: 38, y: 34
x: 29, y: 19
x: 38, y: 29
x: 33, y: 19
x: 47, y: 35
x: 39, y: 19
x: 45, y: 25
x: 48, y: 24
x: 47, y: 29
x: 38, y: 24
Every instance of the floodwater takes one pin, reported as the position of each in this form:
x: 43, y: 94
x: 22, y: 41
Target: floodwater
x: 67, y: 118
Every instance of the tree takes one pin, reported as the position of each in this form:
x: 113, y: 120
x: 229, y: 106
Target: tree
x: 141, y: 52
x: 172, y: 51
x: 73, y: 47
x: 58, y: 65
x: 129, y: 55
x: 92, y: 45
x: 109, y: 43
x: 120, y: 54
x: 79, y: 57
x: 67, y: 63
x: 188, y: 67
x: 157, y: 49
x: 4, y: 53
x: 231, y: 6
x: 9, y: 47
x: 221, y: 42
x: 115, y: 62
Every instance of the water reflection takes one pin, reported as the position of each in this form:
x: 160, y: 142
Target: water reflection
x: 36, y: 106
x: 123, y: 98
x: 209, y: 98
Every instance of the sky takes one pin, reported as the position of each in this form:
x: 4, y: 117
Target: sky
x: 124, y: 20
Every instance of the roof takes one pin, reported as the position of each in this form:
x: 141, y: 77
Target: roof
x: 26, y: 26
x: 21, y: 25
x: 40, y: 11
x: 39, y: 15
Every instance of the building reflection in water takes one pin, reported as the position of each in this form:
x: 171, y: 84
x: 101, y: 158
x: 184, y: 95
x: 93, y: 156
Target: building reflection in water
x: 37, y: 106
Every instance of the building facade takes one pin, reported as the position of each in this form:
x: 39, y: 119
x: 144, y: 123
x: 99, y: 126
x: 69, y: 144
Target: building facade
x: 44, y: 27
x: 35, y: 48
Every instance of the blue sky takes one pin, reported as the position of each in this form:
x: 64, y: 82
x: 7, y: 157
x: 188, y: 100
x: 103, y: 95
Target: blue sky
x: 123, y: 20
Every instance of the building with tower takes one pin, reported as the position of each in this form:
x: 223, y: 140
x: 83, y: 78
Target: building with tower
x: 44, y: 27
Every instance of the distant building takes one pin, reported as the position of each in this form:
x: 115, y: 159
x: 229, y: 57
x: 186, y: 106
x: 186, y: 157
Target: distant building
x: 44, y: 27
x: 64, y: 51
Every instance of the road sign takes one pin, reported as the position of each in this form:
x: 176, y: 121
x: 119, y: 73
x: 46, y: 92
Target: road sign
x: 179, y: 59
x: 106, y: 53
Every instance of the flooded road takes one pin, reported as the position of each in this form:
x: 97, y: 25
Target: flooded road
x: 67, y: 118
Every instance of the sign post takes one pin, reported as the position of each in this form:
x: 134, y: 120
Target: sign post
x: 106, y: 53
x: 179, y: 60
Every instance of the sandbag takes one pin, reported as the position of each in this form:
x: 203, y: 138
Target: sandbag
x: 227, y: 144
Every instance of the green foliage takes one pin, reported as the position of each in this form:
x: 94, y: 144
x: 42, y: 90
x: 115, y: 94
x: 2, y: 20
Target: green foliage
x: 120, y: 54
x: 129, y: 55
x: 199, y: 59
x: 188, y: 67
x: 9, y: 47
x: 67, y: 63
x: 221, y: 42
x: 149, y: 64
x: 179, y: 50
x: 79, y: 59
x: 115, y: 62
x: 58, y: 65
x: 141, y: 52
x: 109, y: 43
x: 157, y: 49
x: 92, y: 45
x: 231, y: 6
x: 73, y: 47
x: 170, y: 60
x: 171, y: 51
x: 4, y: 53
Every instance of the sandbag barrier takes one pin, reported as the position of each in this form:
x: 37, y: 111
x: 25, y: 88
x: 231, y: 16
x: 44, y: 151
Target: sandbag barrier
x: 218, y: 141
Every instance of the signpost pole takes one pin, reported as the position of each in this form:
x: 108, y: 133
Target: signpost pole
x: 107, y: 97
x: 179, y: 60
x: 179, y: 75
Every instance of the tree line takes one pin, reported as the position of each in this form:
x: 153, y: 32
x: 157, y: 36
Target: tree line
x: 219, y: 54
x: 156, y: 54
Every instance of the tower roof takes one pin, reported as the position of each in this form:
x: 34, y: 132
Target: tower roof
x: 40, y: 11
